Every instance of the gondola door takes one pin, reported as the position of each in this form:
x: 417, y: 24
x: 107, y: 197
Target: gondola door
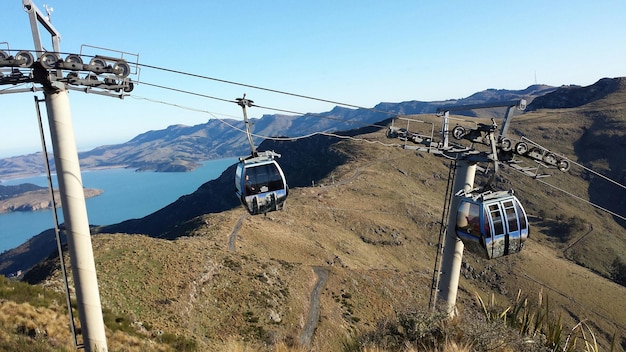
x: 517, y: 225
x: 469, y: 226
x: 496, y: 240
x: 508, y: 226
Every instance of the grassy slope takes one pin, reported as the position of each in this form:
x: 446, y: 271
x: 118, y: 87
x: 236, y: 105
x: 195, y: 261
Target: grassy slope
x: 373, y: 225
x: 374, y: 229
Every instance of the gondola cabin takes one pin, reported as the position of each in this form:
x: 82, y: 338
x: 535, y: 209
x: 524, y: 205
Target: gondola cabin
x: 260, y: 184
x: 492, y: 225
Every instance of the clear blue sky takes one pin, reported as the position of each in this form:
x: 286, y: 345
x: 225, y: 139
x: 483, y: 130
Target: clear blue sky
x: 357, y: 52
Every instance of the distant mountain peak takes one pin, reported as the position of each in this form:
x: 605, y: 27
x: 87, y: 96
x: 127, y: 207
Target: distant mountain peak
x: 572, y: 96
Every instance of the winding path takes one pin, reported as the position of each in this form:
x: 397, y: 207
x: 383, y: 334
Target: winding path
x: 233, y: 235
x: 314, y: 306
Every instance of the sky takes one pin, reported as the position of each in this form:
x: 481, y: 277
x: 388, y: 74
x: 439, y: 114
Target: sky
x: 359, y: 53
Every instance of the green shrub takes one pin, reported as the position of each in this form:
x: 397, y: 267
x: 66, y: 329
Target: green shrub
x: 21, y: 292
x: 618, y: 271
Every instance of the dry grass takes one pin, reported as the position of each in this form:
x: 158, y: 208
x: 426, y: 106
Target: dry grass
x: 38, y: 323
x: 23, y: 324
x: 373, y: 224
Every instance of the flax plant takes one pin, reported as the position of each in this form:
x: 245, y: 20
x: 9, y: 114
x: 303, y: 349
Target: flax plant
x: 536, y: 321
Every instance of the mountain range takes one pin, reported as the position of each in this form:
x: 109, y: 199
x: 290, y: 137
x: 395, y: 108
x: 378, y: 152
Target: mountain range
x: 181, y: 148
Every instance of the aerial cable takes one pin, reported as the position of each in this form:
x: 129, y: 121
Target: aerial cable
x: 360, y: 139
x: 265, y: 107
x: 181, y: 106
x: 579, y: 198
x: 269, y: 108
x: 13, y: 87
x: 347, y: 209
x: 187, y: 92
x: 584, y: 200
x: 599, y: 175
x: 255, y: 87
x: 565, y: 295
x: 290, y: 94
x: 338, y: 136
x: 262, y: 107
x: 213, y: 114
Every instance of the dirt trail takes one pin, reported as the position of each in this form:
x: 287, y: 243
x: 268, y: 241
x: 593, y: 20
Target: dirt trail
x: 314, y: 306
x: 589, y: 231
x: 233, y: 235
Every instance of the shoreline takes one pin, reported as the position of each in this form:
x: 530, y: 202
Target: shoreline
x: 152, y: 168
x: 17, y: 176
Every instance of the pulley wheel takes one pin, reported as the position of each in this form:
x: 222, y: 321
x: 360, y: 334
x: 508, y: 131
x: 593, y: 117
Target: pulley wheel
x: 521, y: 148
x: 506, y: 144
x: 25, y: 56
x: 121, y: 69
x: 49, y: 60
x: 550, y: 159
x: 458, y: 132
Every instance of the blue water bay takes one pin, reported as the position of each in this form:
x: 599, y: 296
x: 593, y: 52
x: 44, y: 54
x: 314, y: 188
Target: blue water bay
x: 127, y: 195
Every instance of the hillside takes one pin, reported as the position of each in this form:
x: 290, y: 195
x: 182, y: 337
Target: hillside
x: 358, y: 239
x: 180, y: 148
x: 373, y: 231
x: 370, y: 224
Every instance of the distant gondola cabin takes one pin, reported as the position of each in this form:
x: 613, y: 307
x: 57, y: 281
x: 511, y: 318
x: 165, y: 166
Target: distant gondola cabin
x: 260, y: 185
x: 492, y: 225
